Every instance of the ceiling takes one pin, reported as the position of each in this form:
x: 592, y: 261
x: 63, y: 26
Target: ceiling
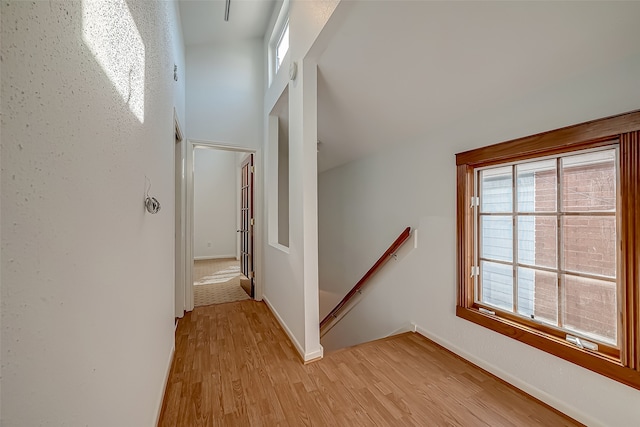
x: 203, y: 20
x: 397, y: 70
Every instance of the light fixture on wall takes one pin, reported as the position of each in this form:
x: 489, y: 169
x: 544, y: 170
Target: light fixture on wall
x: 293, y: 70
x: 227, y: 5
x: 150, y: 203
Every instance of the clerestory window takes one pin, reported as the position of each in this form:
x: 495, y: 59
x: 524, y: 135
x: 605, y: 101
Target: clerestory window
x: 279, y: 41
x: 282, y: 47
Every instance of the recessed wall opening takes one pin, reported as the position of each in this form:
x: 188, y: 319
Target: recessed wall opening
x: 279, y: 159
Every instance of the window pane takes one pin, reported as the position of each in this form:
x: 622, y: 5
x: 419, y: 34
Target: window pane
x: 537, y: 186
x: 497, y: 284
x: 497, y: 237
x: 537, y: 237
x: 538, y: 295
x: 496, y: 190
x: 589, y: 182
x: 283, y: 47
x: 590, y: 244
x: 590, y: 307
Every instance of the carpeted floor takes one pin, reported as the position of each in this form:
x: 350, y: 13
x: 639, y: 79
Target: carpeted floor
x: 217, y: 281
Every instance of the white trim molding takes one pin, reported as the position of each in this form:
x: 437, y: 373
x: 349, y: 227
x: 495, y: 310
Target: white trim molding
x: 306, y: 357
x: 192, y: 144
x: 204, y: 258
x: 516, y: 382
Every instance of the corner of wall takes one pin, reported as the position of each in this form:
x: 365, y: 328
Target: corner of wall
x: 306, y: 357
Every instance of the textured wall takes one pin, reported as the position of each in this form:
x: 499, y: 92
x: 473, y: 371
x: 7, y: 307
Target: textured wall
x: 87, y: 275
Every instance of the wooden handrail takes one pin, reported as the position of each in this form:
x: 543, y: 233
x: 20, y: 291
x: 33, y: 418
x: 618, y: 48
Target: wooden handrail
x: 404, y: 236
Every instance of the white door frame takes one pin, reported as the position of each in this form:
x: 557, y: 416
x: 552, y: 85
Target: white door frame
x: 192, y: 144
x: 180, y: 223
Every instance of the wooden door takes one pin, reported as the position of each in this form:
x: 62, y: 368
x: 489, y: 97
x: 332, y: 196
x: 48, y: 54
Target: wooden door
x: 247, y: 221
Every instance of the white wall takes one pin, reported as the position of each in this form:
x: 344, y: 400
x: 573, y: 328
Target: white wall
x: 224, y: 93
x: 291, y: 275
x: 214, y: 204
x: 87, y: 274
x: 365, y: 204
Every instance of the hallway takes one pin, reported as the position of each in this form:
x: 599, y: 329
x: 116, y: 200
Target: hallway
x: 234, y: 366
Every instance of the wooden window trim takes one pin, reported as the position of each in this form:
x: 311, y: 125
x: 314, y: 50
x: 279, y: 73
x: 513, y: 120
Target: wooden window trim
x: 624, y: 129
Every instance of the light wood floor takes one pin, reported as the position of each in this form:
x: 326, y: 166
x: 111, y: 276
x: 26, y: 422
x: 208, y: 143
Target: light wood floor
x: 234, y: 366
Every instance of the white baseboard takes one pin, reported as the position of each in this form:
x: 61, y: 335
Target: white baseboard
x: 166, y: 381
x: 406, y: 327
x: 514, y: 381
x: 314, y: 355
x: 306, y: 357
x: 204, y: 258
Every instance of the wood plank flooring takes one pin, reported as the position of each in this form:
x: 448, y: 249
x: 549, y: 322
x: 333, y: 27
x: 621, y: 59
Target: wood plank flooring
x: 234, y: 366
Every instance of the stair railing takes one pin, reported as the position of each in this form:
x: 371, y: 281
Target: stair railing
x: 357, y: 289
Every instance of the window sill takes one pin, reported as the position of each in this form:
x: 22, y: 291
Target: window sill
x: 596, y: 362
x: 279, y: 247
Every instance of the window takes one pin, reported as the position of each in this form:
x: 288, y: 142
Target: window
x: 278, y: 41
x: 548, y: 236
x: 282, y: 47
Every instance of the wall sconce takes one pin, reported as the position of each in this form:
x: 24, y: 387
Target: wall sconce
x: 293, y: 70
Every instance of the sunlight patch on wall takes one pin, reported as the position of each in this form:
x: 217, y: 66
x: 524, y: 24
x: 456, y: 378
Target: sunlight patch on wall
x: 108, y: 29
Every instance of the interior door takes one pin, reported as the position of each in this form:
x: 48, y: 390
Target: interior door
x: 247, y: 221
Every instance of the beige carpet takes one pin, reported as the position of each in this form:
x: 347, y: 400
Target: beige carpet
x: 217, y: 281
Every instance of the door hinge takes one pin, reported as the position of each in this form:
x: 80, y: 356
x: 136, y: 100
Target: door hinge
x: 253, y: 169
x: 253, y: 221
x: 475, y: 201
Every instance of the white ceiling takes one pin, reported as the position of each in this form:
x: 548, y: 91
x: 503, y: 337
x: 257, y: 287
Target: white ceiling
x: 395, y: 70
x: 203, y: 20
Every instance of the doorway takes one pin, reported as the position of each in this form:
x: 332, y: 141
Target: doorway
x: 223, y: 225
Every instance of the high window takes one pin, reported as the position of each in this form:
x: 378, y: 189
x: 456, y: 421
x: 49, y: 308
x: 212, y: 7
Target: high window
x: 548, y: 236
x: 278, y: 41
x: 282, y: 47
